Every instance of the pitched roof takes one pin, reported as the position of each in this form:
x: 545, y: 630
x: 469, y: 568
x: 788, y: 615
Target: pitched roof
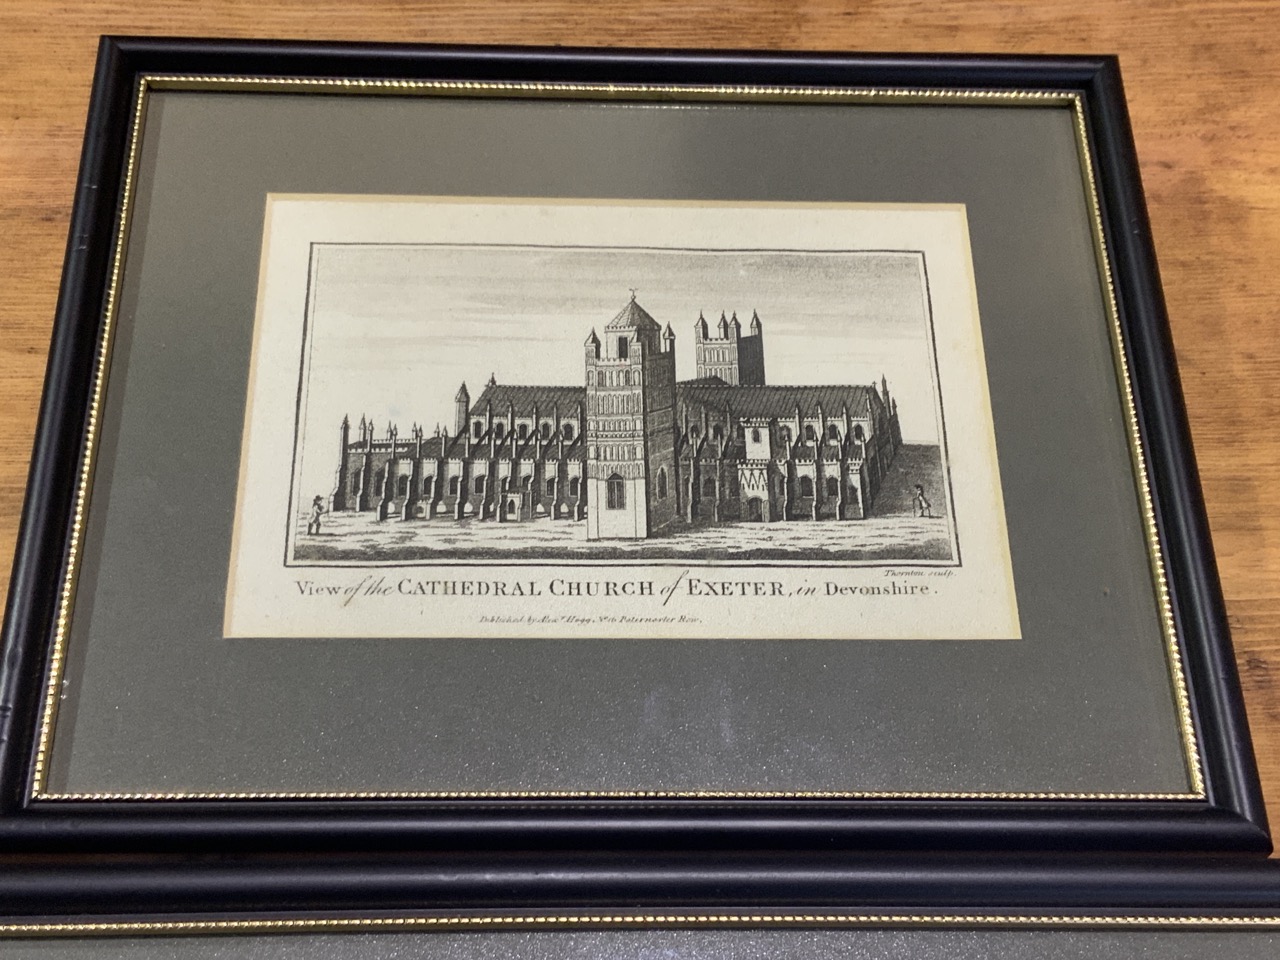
x: 766, y: 402
x: 633, y: 317
x: 525, y: 398
x: 769, y: 402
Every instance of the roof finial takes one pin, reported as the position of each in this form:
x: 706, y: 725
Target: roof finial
x: 493, y: 380
x: 633, y: 294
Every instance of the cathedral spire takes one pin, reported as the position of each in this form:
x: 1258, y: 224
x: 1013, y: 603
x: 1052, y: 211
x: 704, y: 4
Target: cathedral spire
x: 461, y: 409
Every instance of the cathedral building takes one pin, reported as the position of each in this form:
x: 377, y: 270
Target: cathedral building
x: 635, y: 453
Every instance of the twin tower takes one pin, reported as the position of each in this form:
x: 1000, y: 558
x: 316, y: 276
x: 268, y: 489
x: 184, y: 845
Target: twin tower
x: 632, y: 471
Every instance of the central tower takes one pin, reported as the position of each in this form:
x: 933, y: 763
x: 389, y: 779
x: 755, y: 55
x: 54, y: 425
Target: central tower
x: 631, y: 399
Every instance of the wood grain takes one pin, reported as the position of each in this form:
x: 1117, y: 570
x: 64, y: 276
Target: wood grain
x: 1201, y: 81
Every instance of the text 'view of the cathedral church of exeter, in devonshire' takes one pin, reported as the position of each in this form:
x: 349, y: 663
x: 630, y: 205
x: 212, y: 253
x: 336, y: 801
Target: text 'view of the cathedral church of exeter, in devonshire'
x: 636, y: 453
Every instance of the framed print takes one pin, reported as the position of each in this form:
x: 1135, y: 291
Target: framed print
x: 546, y: 450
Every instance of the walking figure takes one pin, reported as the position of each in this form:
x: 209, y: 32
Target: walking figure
x: 317, y: 511
x: 923, y: 508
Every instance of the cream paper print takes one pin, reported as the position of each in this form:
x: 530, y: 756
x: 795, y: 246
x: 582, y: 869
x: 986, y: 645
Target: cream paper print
x: 501, y: 418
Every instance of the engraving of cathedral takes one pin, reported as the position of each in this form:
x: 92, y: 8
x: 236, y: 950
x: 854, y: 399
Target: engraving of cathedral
x: 633, y: 453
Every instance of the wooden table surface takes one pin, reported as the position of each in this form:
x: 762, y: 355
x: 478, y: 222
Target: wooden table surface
x: 1202, y: 82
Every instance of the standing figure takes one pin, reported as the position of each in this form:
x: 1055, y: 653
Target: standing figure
x: 317, y: 511
x: 923, y: 508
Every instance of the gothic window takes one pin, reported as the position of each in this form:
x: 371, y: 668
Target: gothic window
x: 453, y: 486
x: 617, y: 493
x: 857, y: 432
x: 832, y: 432
x: 662, y: 484
x: 784, y: 434
x: 709, y: 487
x: 833, y: 487
x: 551, y: 487
x: 637, y: 380
x: 402, y: 487
x: 573, y: 487
x: 809, y: 435
x: 377, y: 479
x: 626, y: 378
x: 523, y: 432
x: 806, y: 487
x: 546, y: 431
x: 480, y: 484
x: 478, y: 429
x: 427, y: 484
x: 755, y: 434
x: 623, y: 346
x: 717, y: 432
x: 498, y: 429
x: 694, y: 433
x: 567, y: 430
x: 355, y: 483
x: 524, y: 484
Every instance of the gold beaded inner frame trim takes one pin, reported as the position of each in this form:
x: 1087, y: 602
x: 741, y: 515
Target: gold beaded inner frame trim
x: 729, y: 920
x: 603, y: 92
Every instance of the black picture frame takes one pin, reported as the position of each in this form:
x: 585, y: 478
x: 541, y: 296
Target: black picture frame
x: 677, y: 839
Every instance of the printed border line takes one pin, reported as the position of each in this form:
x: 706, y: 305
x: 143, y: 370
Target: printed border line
x: 300, y: 401
x: 657, y: 93
x: 944, y: 448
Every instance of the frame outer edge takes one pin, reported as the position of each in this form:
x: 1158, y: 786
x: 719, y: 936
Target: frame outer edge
x: 470, y: 882
x: 591, y: 64
x: 1231, y: 775
x: 33, y: 594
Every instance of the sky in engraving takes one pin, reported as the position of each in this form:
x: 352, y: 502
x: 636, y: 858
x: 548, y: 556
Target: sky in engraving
x: 396, y: 329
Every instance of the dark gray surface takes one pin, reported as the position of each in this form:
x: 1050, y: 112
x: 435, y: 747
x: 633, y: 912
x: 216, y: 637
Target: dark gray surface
x: 159, y: 702
x: 685, y: 945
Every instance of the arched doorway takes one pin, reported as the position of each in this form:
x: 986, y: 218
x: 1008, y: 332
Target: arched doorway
x: 755, y: 510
